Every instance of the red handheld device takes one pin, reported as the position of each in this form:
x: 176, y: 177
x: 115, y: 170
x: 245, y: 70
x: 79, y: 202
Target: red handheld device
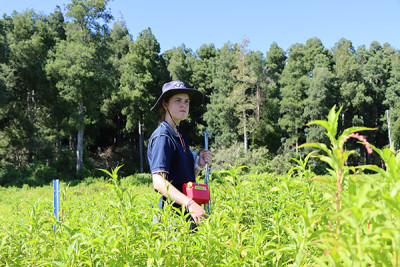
x: 198, y: 192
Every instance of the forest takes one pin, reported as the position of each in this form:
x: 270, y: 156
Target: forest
x: 76, y: 90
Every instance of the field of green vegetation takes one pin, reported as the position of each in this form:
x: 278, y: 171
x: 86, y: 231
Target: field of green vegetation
x: 346, y: 218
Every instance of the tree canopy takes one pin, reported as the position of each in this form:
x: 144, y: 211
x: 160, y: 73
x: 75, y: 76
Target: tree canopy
x: 75, y: 94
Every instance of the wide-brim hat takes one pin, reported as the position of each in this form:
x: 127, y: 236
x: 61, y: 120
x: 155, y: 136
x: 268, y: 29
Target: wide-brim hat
x: 179, y: 87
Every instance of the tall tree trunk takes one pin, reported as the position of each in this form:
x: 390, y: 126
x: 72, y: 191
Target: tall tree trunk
x: 31, y: 110
x: 389, y: 135
x: 259, y: 101
x: 342, y: 115
x: 140, y: 148
x: 79, y: 142
x: 245, y: 132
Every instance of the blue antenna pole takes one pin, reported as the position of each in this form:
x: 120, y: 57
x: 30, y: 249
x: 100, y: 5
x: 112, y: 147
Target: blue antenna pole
x: 56, y: 199
x: 206, y: 134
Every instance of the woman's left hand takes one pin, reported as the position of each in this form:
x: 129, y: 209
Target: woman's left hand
x: 205, y: 157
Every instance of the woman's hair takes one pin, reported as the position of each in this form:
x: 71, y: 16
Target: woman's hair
x: 162, y: 112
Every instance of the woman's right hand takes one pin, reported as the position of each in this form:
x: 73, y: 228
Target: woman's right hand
x: 197, y: 212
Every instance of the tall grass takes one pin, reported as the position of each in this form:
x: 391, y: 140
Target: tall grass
x: 299, y: 219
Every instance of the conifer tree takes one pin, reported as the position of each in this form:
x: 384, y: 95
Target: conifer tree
x: 245, y: 95
x: 293, y: 91
x: 376, y: 75
x: 114, y: 121
x: 347, y: 79
x: 219, y: 112
x: 268, y: 132
x: 78, y: 65
x: 27, y: 132
x: 320, y: 97
x: 296, y: 78
x: 392, y: 100
x: 180, y: 63
x: 202, y: 79
x: 142, y: 77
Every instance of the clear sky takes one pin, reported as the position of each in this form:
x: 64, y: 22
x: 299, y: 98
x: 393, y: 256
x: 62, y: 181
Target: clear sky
x: 263, y: 22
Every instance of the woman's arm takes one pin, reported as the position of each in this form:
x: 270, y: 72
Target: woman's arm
x: 168, y: 190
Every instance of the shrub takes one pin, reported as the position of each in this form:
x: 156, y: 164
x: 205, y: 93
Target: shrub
x: 44, y: 174
x: 83, y: 173
x: 255, y: 158
x: 136, y: 179
x: 92, y: 180
x: 10, y: 176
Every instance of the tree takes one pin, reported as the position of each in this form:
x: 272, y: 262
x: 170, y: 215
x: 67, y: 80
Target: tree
x: 293, y: 91
x: 376, y: 75
x: 3, y: 56
x: 27, y: 130
x: 245, y: 95
x: 78, y: 64
x: 3, y: 40
x: 142, y: 77
x: 141, y: 80
x: 347, y: 79
x: 202, y: 79
x: 219, y: 112
x: 320, y: 97
x: 296, y: 78
x: 180, y: 63
x: 267, y: 133
x: 392, y: 100
x: 114, y: 121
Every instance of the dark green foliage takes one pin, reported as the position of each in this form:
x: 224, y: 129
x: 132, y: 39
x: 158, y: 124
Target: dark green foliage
x: 267, y: 132
x: 319, y: 96
x: 393, y: 101
x: 75, y: 85
x: 218, y: 116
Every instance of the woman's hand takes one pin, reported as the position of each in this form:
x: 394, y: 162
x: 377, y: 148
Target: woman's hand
x: 196, y: 211
x: 205, y: 157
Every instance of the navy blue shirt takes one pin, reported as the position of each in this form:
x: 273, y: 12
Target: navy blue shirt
x: 165, y: 153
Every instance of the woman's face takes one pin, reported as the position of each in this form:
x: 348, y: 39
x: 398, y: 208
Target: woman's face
x: 178, y: 106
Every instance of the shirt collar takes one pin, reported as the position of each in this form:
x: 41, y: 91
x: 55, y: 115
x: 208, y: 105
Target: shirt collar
x: 169, y: 129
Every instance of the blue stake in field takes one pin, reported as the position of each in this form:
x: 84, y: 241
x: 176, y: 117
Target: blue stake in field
x: 56, y: 199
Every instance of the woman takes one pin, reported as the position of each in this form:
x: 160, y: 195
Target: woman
x: 171, y: 162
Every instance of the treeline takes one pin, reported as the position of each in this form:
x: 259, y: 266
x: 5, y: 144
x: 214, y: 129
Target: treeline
x: 75, y: 95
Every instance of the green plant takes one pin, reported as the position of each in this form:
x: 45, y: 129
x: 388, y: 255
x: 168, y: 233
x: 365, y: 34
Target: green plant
x: 301, y: 169
x: 336, y: 155
x: 233, y: 174
x: 364, y: 211
x: 257, y: 220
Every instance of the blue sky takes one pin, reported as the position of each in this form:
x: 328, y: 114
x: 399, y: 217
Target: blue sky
x: 285, y: 22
